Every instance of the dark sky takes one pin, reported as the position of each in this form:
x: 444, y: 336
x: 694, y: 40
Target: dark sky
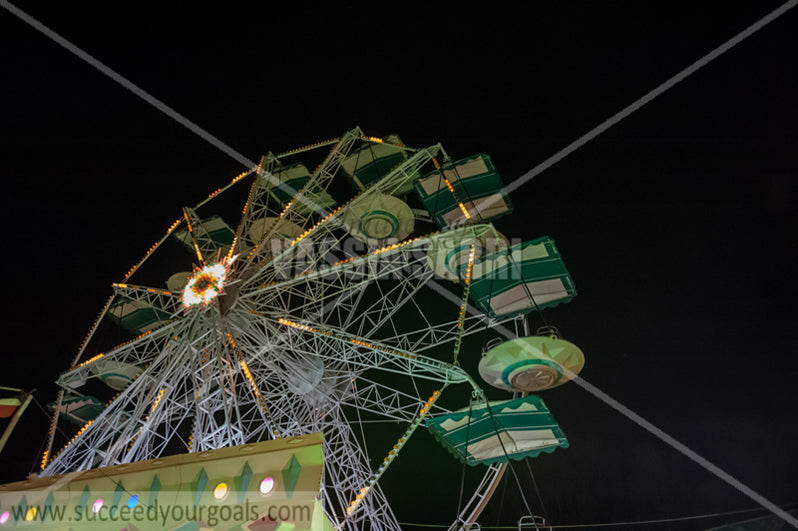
x: 678, y: 225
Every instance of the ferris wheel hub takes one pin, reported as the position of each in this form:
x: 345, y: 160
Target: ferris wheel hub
x: 206, y: 284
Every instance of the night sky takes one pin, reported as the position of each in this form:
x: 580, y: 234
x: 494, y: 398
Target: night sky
x: 678, y: 225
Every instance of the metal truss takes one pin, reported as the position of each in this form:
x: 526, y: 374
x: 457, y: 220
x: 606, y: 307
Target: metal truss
x: 322, y: 336
x: 301, y: 210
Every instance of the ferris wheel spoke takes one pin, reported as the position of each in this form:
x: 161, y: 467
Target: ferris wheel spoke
x: 362, y: 315
x: 260, y: 207
x: 364, y: 305
x: 346, y: 349
x: 382, y: 262
x: 368, y: 398
x: 346, y: 477
x: 384, y: 401
x: 256, y: 207
x: 152, y: 249
x: 346, y: 465
x: 228, y: 402
x: 368, y: 294
x: 160, y: 300
x: 133, y: 413
x: 329, y: 233
x: 166, y: 417
x: 318, y: 294
x: 440, y: 334
x: 269, y: 376
x: 255, y: 417
x: 300, y: 209
x: 139, y: 351
x: 200, y: 237
x: 333, y: 293
x: 217, y: 414
x: 431, y: 332
x: 192, y: 384
x: 469, y: 321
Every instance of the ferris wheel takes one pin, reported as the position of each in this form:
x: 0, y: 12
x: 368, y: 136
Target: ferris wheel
x: 291, y: 312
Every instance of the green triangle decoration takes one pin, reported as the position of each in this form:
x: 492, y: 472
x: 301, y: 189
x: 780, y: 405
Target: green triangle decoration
x: 22, y: 508
x: 155, y: 489
x: 199, y: 485
x: 242, y: 482
x: 291, y: 475
x: 118, y: 491
x: 84, y: 498
x: 48, y: 505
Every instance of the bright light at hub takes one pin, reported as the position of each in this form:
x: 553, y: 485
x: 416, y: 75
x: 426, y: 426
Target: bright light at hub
x: 206, y: 284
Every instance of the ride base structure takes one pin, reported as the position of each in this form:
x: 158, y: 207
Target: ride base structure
x: 266, y: 486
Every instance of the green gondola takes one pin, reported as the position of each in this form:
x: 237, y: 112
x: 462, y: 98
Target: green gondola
x: 79, y: 409
x: 521, y: 278
x: 288, y: 180
x: 498, y: 431
x: 135, y: 316
x: 219, y: 232
x: 464, y: 191
x: 373, y: 160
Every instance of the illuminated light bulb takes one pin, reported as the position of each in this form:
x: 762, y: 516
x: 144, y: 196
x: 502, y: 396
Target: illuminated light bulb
x: 132, y: 501
x: 220, y: 491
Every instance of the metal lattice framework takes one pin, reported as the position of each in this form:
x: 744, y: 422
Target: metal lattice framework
x: 308, y: 336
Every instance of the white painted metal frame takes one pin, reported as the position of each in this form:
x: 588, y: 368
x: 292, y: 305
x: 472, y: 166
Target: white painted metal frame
x: 313, y: 338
